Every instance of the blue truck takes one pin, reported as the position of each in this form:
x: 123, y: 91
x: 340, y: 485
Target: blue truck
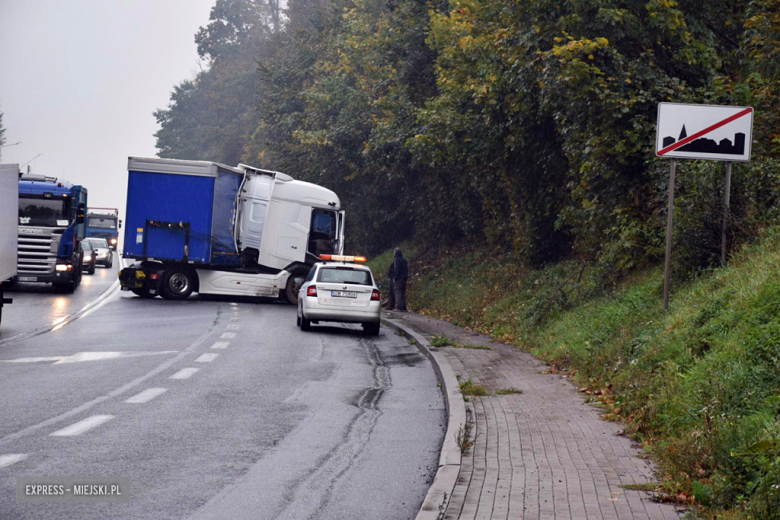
x: 52, y: 223
x: 104, y: 223
x: 196, y: 226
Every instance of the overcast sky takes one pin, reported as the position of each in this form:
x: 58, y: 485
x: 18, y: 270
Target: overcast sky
x: 80, y: 79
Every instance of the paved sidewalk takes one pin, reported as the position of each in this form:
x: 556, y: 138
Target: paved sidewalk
x: 541, y: 454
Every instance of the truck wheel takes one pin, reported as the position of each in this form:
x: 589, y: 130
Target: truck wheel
x: 292, y: 288
x: 177, y: 284
x: 142, y: 293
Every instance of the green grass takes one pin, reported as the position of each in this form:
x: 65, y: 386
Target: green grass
x: 698, y: 387
x: 508, y: 391
x: 469, y: 388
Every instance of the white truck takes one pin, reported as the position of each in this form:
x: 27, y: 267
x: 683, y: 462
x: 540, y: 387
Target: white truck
x: 9, y: 220
x: 215, y: 229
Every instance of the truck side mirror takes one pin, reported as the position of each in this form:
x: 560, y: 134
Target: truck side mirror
x: 120, y: 225
x: 81, y: 213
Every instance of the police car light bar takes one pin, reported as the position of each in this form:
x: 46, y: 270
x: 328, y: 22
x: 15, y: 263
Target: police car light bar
x: 343, y: 258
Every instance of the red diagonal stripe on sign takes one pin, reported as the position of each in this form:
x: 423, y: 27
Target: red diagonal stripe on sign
x: 707, y: 130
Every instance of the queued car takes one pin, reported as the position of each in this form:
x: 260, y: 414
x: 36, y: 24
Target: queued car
x: 340, y: 289
x: 89, y: 258
x: 103, y: 253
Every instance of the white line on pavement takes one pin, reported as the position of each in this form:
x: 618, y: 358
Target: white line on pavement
x: 13, y: 458
x: 220, y: 344
x: 234, y: 318
x: 184, y: 373
x: 146, y: 395
x: 206, y: 358
x: 233, y: 326
x: 228, y: 335
x: 82, y: 426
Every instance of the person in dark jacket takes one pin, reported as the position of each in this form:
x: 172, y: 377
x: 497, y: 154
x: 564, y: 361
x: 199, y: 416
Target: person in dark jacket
x: 400, y: 275
x: 391, y: 290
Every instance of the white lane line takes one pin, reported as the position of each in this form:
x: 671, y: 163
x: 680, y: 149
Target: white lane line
x: 228, y: 335
x: 146, y: 395
x: 10, y: 460
x: 220, y: 344
x: 234, y: 318
x: 233, y: 326
x: 207, y: 358
x: 184, y: 373
x: 82, y: 426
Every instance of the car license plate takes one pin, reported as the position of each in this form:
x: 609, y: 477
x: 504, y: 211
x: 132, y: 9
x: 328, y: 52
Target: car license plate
x: 344, y: 294
x: 27, y: 278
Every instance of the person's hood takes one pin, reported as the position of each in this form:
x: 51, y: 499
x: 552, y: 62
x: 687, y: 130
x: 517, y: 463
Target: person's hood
x: 399, y: 253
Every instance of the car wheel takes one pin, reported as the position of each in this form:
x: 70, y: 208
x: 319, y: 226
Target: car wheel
x: 91, y: 269
x: 305, y: 324
x: 177, y: 284
x: 371, y: 329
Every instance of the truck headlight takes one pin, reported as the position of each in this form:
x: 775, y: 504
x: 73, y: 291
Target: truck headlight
x: 113, y: 241
x: 63, y: 267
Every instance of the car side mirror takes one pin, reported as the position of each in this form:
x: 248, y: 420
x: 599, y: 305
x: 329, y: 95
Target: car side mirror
x: 379, y: 286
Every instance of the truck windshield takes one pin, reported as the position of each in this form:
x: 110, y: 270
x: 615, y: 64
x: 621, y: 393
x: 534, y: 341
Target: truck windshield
x: 323, y: 232
x: 102, y: 222
x: 44, y: 212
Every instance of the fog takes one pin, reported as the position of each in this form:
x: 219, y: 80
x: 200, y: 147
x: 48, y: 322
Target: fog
x: 80, y: 79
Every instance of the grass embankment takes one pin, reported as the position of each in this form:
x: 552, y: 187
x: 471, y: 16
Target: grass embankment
x: 699, y: 387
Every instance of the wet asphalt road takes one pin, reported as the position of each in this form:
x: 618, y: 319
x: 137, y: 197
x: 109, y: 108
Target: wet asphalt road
x: 233, y: 413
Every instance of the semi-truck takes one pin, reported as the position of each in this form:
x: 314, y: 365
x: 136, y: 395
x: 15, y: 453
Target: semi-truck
x: 104, y: 223
x: 199, y: 226
x: 9, y: 207
x: 51, y: 220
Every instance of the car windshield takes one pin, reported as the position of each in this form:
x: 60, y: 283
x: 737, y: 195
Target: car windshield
x: 44, y: 212
x: 345, y: 275
x: 98, y: 242
x: 102, y: 222
x: 86, y: 246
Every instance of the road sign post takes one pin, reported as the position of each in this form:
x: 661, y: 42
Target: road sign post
x: 726, y: 215
x: 669, y: 218
x: 708, y: 132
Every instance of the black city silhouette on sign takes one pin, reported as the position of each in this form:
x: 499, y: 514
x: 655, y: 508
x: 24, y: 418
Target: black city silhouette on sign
x: 704, y: 145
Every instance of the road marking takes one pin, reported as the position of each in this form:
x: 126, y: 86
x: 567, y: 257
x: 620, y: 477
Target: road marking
x: 82, y: 426
x: 220, y: 344
x: 184, y: 373
x: 207, y: 358
x: 233, y: 304
x: 234, y: 318
x: 146, y: 395
x: 87, y: 356
x: 228, y: 335
x: 10, y: 460
x: 113, y: 393
x: 233, y: 326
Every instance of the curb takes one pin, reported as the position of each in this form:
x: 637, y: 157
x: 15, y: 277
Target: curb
x: 439, y: 494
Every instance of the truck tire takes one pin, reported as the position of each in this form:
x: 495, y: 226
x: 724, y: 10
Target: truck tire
x: 291, y: 289
x: 177, y: 283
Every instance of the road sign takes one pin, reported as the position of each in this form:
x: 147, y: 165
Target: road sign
x: 712, y: 132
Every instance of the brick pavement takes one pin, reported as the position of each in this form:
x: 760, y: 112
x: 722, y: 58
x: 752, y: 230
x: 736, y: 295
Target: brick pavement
x: 542, y: 454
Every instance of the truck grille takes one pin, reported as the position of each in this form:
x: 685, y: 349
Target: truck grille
x: 35, y: 255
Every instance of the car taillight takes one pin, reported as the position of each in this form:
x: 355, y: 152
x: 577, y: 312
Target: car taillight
x: 311, y: 291
x: 375, y: 295
x: 154, y: 276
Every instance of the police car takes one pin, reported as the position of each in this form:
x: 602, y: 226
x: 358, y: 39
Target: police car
x: 340, y: 288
